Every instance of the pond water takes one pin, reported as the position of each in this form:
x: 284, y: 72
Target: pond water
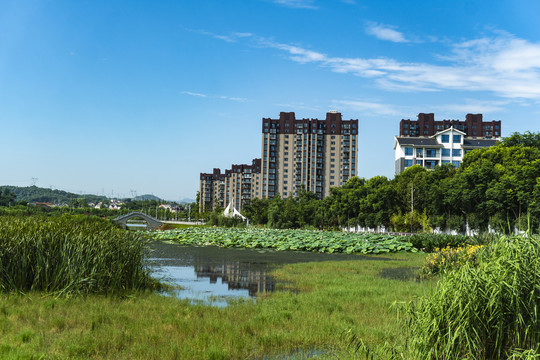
x: 211, y: 275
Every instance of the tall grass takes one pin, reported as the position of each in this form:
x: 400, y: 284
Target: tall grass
x: 485, y: 311
x: 70, y: 254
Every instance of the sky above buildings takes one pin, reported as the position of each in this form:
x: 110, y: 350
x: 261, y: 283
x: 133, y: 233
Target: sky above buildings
x: 134, y: 97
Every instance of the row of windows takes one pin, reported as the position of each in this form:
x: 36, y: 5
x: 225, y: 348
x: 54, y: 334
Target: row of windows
x: 445, y: 138
x: 432, y: 152
x: 430, y: 164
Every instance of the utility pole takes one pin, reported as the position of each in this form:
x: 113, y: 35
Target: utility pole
x: 412, y: 204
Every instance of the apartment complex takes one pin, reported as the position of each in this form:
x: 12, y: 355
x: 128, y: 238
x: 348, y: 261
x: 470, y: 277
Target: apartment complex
x: 238, y: 185
x: 310, y: 153
x: 442, y: 142
x: 316, y: 154
x: 473, y: 126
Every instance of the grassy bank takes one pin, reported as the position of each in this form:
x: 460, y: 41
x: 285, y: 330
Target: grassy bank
x: 329, y: 299
x: 75, y: 254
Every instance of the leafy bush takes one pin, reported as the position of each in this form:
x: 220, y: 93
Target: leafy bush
x: 487, y: 311
x: 430, y: 242
x: 449, y: 259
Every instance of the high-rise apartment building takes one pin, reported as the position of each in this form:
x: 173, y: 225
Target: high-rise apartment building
x: 316, y: 154
x: 237, y: 185
x: 473, y: 126
x: 442, y: 142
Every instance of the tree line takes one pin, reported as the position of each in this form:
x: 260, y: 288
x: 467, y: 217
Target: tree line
x: 496, y: 187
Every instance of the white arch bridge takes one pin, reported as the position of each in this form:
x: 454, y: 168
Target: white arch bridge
x: 151, y: 222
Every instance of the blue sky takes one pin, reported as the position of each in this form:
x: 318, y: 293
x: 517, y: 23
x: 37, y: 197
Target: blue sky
x: 118, y: 97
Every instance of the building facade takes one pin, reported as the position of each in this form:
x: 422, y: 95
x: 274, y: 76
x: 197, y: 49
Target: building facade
x: 448, y: 145
x: 316, y: 154
x: 237, y: 185
x: 473, y: 126
x: 310, y: 153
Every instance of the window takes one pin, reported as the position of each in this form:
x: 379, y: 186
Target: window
x: 445, y: 152
x: 457, y: 138
x: 431, y: 153
x: 446, y: 161
x: 405, y: 132
x: 408, y: 163
x: 445, y: 138
x: 408, y: 151
x: 405, y: 126
x: 455, y: 163
x: 456, y: 152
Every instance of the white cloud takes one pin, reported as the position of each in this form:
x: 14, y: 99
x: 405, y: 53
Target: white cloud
x: 297, y: 4
x: 473, y: 106
x: 368, y: 107
x: 502, y: 64
x: 486, y: 64
x: 194, y: 94
x: 233, y: 37
x: 385, y: 32
x: 223, y: 97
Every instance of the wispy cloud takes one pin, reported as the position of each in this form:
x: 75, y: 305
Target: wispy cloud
x: 223, y: 97
x: 299, y: 106
x: 385, y: 32
x: 194, y: 94
x: 368, y: 107
x: 296, y: 4
x: 473, y: 106
x: 503, y: 64
x: 232, y: 37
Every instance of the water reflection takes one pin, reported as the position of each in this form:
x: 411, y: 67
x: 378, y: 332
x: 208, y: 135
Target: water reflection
x: 212, y: 275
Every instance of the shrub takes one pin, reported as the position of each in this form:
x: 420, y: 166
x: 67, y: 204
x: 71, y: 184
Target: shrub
x: 449, y: 259
x: 430, y: 242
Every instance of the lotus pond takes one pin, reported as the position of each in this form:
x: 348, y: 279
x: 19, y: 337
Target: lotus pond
x: 283, y: 240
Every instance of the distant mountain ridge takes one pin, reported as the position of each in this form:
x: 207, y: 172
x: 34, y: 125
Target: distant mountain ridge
x: 37, y: 194
x: 147, y: 197
x: 33, y: 194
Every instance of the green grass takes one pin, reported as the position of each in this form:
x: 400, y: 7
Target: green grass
x: 328, y: 300
x: 78, y: 254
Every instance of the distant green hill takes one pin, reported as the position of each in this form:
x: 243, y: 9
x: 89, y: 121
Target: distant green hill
x: 37, y: 194
x: 146, y: 197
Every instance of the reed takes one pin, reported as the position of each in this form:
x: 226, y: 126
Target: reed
x: 489, y: 310
x: 75, y: 254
